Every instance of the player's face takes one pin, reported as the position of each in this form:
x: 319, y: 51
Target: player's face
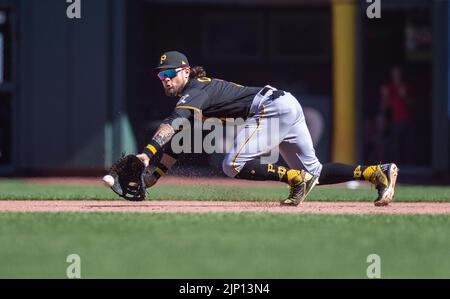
x: 174, y: 80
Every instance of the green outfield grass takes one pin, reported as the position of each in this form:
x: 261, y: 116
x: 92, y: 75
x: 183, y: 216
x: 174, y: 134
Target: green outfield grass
x: 246, y: 245
x: 237, y: 245
x: 17, y: 189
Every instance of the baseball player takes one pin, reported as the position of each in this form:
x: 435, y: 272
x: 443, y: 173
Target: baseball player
x: 197, y: 93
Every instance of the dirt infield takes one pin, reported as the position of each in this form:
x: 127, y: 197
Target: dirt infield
x: 169, y: 206
x: 355, y: 208
x: 164, y: 181
x: 172, y: 181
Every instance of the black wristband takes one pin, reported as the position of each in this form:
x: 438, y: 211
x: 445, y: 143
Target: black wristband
x: 157, y: 174
x: 160, y: 170
x: 163, y: 167
x: 152, y: 148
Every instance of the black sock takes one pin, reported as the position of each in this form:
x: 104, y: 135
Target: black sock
x: 254, y: 170
x: 334, y: 173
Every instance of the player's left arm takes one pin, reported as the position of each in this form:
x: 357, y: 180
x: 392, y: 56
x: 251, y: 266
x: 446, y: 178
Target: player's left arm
x: 162, y: 136
x: 192, y: 105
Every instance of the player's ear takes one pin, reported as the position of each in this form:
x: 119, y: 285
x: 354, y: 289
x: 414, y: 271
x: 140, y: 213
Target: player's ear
x: 187, y: 72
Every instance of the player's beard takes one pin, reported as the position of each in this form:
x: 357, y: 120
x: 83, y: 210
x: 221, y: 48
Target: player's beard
x: 171, y: 92
x: 176, y: 89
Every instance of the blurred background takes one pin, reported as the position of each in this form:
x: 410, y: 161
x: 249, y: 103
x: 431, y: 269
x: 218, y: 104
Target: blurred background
x: 77, y: 92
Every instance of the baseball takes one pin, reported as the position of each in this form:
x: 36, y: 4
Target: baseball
x: 108, y: 181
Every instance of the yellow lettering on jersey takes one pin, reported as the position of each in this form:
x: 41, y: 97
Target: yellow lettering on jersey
x: 281, y: 171
x: 270, y: 168
x: 357, y: 172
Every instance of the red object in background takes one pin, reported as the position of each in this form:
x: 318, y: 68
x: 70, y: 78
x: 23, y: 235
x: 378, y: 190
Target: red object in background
x: 398, y: 103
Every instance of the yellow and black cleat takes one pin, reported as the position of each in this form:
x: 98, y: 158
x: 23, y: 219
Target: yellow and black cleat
x: 300, y: 187
x: 384, y: 179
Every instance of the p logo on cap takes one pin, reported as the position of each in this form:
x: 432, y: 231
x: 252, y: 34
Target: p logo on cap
x: 172, y: 60
x: 163, y: 58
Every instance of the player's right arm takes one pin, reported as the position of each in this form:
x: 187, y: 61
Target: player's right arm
x: 163, y: 165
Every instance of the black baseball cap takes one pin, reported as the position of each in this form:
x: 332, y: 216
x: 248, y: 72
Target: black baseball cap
x: 172, y: 59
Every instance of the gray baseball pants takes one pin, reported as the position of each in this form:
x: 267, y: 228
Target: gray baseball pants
x: 274, y: 127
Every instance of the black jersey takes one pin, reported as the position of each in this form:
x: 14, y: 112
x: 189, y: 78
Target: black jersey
x: 214, y: 98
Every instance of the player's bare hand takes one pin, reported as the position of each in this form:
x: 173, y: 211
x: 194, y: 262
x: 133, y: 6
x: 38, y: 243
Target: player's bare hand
x: 144, y: 158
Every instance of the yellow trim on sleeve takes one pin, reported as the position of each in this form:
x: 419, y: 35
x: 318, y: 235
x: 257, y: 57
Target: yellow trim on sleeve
x: 204, y: 79
x: 188, y: 107
x: 151, y: 148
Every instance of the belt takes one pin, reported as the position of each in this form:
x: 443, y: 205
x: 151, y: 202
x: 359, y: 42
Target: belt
x: 261, y: 96
x: 275, y: 93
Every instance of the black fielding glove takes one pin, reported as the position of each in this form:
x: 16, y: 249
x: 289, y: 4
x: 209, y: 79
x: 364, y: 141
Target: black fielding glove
x: 128, y: 173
